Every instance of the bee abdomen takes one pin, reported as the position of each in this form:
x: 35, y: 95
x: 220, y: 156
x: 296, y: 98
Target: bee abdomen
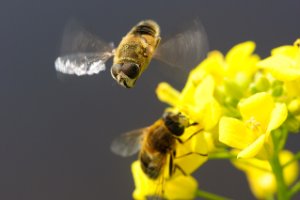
x: 148, y: 166
x: 148, y: 27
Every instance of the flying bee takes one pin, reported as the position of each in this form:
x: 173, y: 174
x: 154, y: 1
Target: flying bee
x: 135, y: 52
x: 85, y: 54
x: 155, y: 143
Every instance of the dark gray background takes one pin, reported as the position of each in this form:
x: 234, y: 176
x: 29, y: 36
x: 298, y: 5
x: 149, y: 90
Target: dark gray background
x: 55, y: 135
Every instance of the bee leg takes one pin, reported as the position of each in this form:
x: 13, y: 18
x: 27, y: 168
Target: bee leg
x: 146, y: 47
x: 180, y: 169
x: 171, y: 164
x: 158, y: 41
x: 172, y: 167
x: 182, y: 156
x: 191, y: 153
x: 182, y: 142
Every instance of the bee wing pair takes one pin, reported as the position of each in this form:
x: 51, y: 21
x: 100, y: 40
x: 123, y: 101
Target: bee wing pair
x: 83, y: 53
x: 128, y: 143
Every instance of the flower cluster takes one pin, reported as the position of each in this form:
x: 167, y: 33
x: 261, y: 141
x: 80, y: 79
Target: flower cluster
x: 246, y: 108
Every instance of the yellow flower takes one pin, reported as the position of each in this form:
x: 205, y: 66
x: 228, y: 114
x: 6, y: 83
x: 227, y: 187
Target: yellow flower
x: 260, y: 177
x: 180, y: 187
x: 284, y: 65
x: 196, y: 99
x: 260, y: 115
x: 284, y: 62
x: 239, y: 64
x: 232, y: 74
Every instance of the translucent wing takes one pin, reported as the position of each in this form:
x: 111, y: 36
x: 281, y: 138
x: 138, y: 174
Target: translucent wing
x: 186, y: 49
x: 82, y: 63
x: 77, y: 38
x: 82, y: 53
x: 128, y: 143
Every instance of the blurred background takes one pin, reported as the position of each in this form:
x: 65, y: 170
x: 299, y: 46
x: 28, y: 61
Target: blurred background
x: 55, y: 134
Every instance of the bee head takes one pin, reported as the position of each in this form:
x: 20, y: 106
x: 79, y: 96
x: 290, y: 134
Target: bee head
x: 125, y: 74
x: 175, y: 122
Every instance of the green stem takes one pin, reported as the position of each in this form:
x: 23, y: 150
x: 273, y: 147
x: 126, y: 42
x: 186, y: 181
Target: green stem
x: 277, y: 170
x: 283, y: 138
x: 282, y: 189
x: 270, y: 198
x: 209, y: 196
x: 221, y: 155
x: 294, y: 190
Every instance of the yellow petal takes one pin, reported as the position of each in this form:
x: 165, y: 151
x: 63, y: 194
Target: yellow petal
x: 262, y: 185
x: 240, y: 52
x: 253, y: 149
x: 259, y: 107
x: 197, y: 144
x: 207, y: 115
x: 204, y: 91
x: 181, y: 187
x: 287, y: 50
x: 261, y: 180
x: 197, y: 74
x: 187, y: 94
x: 210, y: 141
x: 234, y: 133
x: 241, y: 61
x: 293, y: 88
x: 249, y: 164
x: 166, y: 93
x: 278, y: 116
x: 290, y: 172
x: 259, y: 174
x: 281, y: 67
x: 198, y: 103
x: 143, y: 185
x: 214, y: 65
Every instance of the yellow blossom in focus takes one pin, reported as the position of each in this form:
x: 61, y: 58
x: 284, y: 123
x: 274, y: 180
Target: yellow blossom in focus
x: 284, y: 65
x: 260, y: 177
x: 197, y: 99
x: 238, y: 65
x: 284, y: 62
x: 260, y: 115
x: 180, y: 187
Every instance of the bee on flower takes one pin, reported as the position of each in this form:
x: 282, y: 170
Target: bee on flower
x: 163, y: 153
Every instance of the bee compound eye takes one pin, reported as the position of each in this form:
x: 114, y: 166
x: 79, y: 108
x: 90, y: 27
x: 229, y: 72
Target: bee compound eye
x: 132, y: 70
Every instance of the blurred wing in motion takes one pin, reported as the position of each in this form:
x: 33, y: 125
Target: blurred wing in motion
x: 186, y: 49
x: 128, y: 143
x: 82, y: 53
x: 82, y: 63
